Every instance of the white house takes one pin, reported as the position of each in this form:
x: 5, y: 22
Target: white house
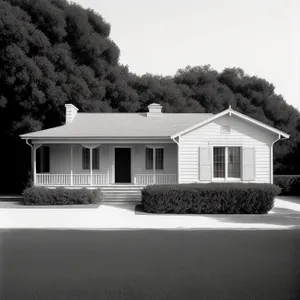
x: 118, y: 150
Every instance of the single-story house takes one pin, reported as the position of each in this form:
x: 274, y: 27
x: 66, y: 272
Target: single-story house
x: 137, y: 149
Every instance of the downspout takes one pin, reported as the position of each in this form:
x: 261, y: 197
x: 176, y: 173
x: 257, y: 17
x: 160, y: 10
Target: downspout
x: 178, y: 158
x: 271, y: 159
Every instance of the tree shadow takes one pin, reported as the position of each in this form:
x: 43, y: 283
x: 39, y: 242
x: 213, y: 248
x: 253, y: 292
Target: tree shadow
x: 270, y: 219
x: 280, y: 210
x: 292, y: 199
x: 278, y: 216
x: 21, y: 205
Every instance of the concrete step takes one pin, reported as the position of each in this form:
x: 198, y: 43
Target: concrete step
x: 122, y: 200
x: 118, y: 201
x: 119, y: 188
x: 121, y: 197
x: 122, y: 193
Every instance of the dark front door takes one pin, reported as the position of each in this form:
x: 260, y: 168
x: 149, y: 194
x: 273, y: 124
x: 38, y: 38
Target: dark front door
x: 122, y: 165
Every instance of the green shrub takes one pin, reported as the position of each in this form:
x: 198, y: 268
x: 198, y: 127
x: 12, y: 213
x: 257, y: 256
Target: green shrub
x: 289, y: 184
x: 210, y: 198
x: 59, y: 196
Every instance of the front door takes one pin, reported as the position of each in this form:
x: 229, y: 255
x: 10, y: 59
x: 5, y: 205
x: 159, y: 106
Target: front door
x: 122, y: 165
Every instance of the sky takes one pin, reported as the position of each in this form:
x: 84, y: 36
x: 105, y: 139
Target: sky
x: 161, y: 36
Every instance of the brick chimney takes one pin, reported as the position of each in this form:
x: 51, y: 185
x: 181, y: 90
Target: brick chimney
x: 154, y: 110
x: 71, y: 112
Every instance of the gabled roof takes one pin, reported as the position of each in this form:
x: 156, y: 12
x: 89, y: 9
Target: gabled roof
x: 122, y: 125
x: 230, y: 112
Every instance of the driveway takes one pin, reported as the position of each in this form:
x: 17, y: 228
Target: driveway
x: 149, y: 264
x: 284, y: 215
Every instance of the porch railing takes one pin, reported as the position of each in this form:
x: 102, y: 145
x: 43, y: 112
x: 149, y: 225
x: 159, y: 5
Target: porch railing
x: 81, y: 179
x: 53, y: 179
x: 65, y: 179
x: 145, y: 179
x: 100, y: 179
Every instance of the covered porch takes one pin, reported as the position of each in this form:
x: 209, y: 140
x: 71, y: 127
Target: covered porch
x: 99, y: 164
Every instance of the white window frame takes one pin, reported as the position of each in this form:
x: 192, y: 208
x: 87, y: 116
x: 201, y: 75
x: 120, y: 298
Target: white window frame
x: 226, y: 178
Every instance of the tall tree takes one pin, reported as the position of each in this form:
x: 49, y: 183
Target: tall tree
x: 53, y: 52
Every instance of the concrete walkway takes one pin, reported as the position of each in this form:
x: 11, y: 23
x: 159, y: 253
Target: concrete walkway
x: 284, y: 215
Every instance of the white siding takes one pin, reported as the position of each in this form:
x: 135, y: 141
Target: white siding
x: 242, y: 133
x: 60, y: 159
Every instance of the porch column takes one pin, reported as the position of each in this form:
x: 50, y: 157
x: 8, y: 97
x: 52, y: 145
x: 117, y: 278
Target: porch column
x: 71, y: 164
x: 154, y: 164
x: 35, y: 147
x: 91, y: 164
x: 34, y: 164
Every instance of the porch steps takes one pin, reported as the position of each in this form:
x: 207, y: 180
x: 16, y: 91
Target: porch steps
x: 121, y: 193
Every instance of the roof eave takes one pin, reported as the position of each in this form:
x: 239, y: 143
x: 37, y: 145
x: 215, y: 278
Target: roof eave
x: 94, y: 137
x: 231, y: 112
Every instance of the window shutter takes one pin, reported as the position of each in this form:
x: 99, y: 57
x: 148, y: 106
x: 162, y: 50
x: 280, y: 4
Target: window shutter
x: 249, y: 164
x: 205, y: 169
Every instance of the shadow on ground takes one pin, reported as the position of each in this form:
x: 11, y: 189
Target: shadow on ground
x: 21, y: 205
x: 278, y: 216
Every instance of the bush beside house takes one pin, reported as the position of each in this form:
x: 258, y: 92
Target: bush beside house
x: 60, y: 196
x: 289, y: 184
x: 210, y: 198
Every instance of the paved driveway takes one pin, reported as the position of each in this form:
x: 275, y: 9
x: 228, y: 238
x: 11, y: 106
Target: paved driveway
x: 284, y: 215
x: 148, y: 264
x: 177, y: 264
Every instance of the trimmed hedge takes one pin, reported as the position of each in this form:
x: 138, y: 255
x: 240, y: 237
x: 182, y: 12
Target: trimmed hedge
x: 289, y: 184
x: 59, y: 196
x: 210, y: 198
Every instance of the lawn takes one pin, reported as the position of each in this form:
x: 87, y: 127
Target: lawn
x: 145, y: 264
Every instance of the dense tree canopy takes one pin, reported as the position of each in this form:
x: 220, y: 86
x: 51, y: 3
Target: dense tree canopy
x: 53, y: 52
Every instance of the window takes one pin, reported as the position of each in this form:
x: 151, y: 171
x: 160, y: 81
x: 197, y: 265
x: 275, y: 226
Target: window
x: 43, y: 159
x: 227, y: 162
x: 86, y: 159
x: 219, y: 162
x: 234, y: 162
x: 149, y: 158
x: 159, y: 158
x: 96, y: 162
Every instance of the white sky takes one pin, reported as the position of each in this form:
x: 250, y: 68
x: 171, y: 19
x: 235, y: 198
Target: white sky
x: 160, y: 36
